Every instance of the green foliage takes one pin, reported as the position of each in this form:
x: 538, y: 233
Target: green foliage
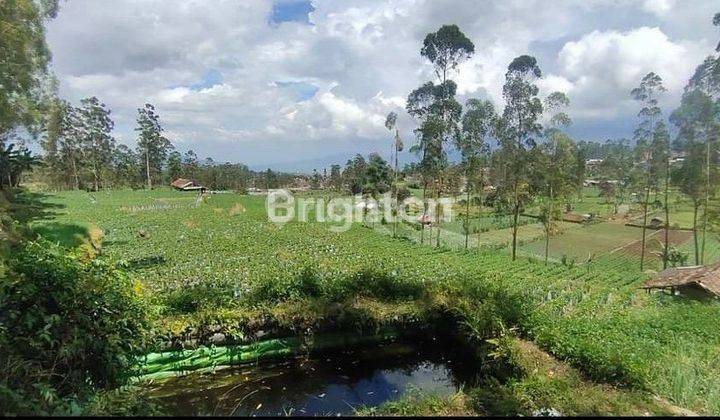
x: 594, y: 317
x: 152, y: 146
x: 69, y: 326
x: 24, y: 58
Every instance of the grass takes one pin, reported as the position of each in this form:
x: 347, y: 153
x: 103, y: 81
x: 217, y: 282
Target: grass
x: 212, y: 266
x: 584, y: 241
x: 419, y: 404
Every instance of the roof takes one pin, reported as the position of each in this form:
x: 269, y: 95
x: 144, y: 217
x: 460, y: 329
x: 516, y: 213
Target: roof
x: 425, y: 220
x: 181, y: 183
x: 186, y: 184
x: 574, y: 217
x: 705, y: 277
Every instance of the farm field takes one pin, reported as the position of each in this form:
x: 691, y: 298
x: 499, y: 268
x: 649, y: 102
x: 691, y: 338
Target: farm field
x: 219, y: 262
x: 585, y: 241
x: 452, y: 237
x: 588, y: 242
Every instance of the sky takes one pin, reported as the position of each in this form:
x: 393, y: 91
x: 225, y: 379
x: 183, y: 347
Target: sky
x: 296, y: 85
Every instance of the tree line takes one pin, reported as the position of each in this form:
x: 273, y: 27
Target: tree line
x: 524, y: 152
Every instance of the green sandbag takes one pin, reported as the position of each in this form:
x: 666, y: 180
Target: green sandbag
x: 173, y: 363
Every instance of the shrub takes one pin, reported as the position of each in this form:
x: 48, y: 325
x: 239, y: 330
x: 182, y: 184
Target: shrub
x: 68, y: 326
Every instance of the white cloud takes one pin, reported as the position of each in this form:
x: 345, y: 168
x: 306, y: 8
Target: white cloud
x: 604, y: 66
x: 659, y: 7
x: 362, y: 56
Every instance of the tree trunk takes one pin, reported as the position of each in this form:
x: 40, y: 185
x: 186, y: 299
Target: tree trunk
x: 467, y: 208
x: 547, y: 226
x: 481, y: 192
x: 147, y: 167
x: 96, y: 177
x: 696, y: 207
x: 395, y: 181
x: 707, y: 199
x: 516, y: 218
x: 667, y: 212
x: 644, y: 227
x: 438, y: 187
x: 75, y: 173
x: 424, y: 214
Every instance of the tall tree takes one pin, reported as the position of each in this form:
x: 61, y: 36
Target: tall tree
x: 647, y: 95
x: 516, y: 132
x: 152, y: 145
x: 24, y: 58
x: 174, y: 166
x: 391, y: 124
x: 426, y: 103
x: 335, y: 177
x: 614, y: 169
x: 707, y: 74
x: 698, y: 129
x: 556, y: 162
x: 55, y: 120
x: 190, y: 164
x: 660, y: 169
x: 126, y: 168
x: 355, y: 174
x: 97, y: 143
x: 445, y: 49
x: 477, y: 125
x: 71, y: 144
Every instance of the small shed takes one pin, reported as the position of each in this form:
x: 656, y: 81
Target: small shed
x: 425, y: 220
x: 576, y: 217
x: 183, y: 184
x: 699, y: 281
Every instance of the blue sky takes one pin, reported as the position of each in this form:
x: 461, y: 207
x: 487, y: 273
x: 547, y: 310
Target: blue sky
x: 291, y: 11
x: 299, y: 84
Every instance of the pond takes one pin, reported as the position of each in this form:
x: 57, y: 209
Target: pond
x: 324, y: 384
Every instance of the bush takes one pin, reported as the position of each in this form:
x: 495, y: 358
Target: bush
x: 309, y: 283
x: 68, y: 327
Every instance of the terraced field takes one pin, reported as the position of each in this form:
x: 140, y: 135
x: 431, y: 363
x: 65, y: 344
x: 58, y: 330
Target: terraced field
x: 219, y: 261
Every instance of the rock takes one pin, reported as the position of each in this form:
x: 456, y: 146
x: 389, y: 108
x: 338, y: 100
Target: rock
x: 546, y: 412
x: 217, y: 338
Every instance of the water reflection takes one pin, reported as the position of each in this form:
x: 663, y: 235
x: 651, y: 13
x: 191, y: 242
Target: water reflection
x: 320, y: 385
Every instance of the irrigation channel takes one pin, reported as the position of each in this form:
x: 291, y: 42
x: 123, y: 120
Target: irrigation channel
x: 326, y: 381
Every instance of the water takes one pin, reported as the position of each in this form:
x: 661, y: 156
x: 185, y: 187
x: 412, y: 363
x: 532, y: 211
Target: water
x: 334, y: 384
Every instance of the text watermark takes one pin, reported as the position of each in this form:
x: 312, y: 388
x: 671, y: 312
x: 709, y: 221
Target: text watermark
x: 341, y: 212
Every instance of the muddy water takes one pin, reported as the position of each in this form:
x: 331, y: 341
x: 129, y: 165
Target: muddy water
x: 328, y: 384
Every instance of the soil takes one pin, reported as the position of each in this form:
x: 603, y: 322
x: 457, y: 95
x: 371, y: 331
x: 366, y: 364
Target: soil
x: 655, y: 239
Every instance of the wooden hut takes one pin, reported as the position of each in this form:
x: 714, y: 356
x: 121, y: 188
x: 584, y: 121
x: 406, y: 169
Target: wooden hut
x: 699, y: 281
x: 183, y: 184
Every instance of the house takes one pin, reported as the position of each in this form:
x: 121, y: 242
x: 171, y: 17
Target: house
x: 576, y: 218
x: 656, y: 223
x: 183, y: 184
x: 697, y: 281
x: 425, y: 220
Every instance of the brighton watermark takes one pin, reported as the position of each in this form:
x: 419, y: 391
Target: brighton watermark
x: 341, y: 212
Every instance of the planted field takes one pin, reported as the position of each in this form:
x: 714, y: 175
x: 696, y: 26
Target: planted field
x: 584, y: 241
x: 219, y: 262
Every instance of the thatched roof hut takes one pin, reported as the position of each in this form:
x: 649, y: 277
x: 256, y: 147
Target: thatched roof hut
x: 703, y: 280
x: 183, y: 184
